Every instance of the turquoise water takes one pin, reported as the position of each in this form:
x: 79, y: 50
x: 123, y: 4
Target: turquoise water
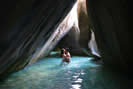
x: 81, y: 73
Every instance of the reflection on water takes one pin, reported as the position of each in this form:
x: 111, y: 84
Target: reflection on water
x: 81, y: 73
x: 79, y: 80
x: 76, y: 86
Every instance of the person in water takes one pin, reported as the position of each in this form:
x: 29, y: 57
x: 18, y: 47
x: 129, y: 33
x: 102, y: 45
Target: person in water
x: 66, y: 56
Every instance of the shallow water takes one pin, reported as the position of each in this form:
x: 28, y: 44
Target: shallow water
x: 81, y: 73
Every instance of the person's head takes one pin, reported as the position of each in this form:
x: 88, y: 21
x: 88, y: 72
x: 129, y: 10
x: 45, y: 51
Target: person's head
x: 66, y: 51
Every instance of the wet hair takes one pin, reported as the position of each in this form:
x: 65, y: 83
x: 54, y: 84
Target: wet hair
x: 67, y: 49
x: 62, y: 50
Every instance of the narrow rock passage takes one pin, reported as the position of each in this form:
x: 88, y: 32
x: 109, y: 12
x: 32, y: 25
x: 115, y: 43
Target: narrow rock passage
x: 81, y: 73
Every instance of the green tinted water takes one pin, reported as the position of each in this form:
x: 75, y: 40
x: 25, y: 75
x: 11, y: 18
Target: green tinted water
x: 81, y: 73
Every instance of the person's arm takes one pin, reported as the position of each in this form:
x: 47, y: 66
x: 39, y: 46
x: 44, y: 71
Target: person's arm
x: 64, y: 55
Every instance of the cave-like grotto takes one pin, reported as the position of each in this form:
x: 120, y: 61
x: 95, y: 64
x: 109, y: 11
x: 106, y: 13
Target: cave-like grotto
x: 33, y: 32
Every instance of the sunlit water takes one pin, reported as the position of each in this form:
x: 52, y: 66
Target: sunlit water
x: 47, y: 73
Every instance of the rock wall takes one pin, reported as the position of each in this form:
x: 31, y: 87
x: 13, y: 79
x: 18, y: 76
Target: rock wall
x: 25, y: 28
x: 84, y: 24
x: 109, y: 18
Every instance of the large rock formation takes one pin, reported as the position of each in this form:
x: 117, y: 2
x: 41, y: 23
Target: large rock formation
x: 26, y: 27
x: 109, y: 19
